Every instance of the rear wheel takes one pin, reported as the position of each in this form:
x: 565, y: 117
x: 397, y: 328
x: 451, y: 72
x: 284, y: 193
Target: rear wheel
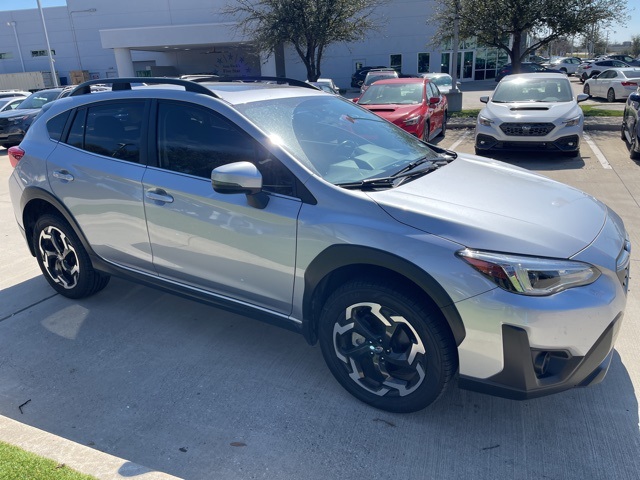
x: 63, y: 260
x: 385, y: 347
x: 611, y: 95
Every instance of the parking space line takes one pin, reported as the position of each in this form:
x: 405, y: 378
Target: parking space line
x: 459, y: 141
x: 599, y: 155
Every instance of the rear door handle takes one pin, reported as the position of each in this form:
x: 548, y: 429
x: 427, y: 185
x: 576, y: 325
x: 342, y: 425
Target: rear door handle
x: 158, y: 195
x: 63, y: 175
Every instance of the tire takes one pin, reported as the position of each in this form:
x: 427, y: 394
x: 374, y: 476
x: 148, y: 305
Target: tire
x: 587, y: 89
x: 443, y: 132
x: 426, y: 131
x: 583, y: 78
x: 634, y: 147
x: 386, y: 347
x: 63, y: 260
x: 611, y: 95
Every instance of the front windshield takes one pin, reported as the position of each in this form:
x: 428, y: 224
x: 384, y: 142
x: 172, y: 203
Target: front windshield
x: 533, y: 90
x: 374, y: 78
x: 393, y: 94
x: 38, y: 99
x: 444, y: 81
x: 335, y: 138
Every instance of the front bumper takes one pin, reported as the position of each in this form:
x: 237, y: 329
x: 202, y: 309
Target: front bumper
x: 568, y: 143
x: 530, y: 373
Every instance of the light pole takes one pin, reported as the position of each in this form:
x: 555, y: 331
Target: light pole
x: 54, y: 77
x: 15, y: 32
x: 73, y: 31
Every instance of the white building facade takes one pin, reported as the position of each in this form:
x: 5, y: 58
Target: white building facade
x: 111, y: 38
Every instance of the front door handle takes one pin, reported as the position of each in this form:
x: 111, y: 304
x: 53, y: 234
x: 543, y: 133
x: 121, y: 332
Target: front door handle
x: 63, y: 175
x: 158, y: 195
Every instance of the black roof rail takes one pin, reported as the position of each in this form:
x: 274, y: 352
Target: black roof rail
x: 125, y: 84
x: 278, y: 80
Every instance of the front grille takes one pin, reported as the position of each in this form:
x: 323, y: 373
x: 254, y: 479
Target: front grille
x: 527, y: 129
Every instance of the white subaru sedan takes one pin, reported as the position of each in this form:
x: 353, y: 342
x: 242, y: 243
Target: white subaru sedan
x: 531, y: 112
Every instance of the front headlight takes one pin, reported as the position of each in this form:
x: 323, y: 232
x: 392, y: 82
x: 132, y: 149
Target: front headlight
x: 412, y: 120
x: 530, y: 275
x: 18, y: 120
x: 484, y: 121
x: 572, y: 122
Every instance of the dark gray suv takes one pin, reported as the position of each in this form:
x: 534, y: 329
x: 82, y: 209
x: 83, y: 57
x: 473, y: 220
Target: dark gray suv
x: 410, y: 265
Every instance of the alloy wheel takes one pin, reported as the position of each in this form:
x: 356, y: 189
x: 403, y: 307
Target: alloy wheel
x: 381, y: 350
x: 59, y: 257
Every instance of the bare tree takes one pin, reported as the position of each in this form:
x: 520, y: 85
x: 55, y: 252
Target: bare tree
x: 308, y: 25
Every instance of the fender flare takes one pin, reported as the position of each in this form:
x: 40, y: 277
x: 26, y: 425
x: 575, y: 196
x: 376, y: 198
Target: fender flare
x: 338, y: 256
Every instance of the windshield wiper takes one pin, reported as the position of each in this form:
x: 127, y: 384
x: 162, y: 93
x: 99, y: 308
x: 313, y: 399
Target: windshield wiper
x: 396, y: 179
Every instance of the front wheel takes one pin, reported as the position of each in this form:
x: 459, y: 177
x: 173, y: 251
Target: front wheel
x: 587, y: 90
x: 426, y: 132
x: 63, y: 260
x: 386, y: 347
x: 634, y: 147
x: 444, y: 124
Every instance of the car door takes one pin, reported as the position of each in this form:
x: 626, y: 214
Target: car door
x: 96, y: 170
x: 215, y: 242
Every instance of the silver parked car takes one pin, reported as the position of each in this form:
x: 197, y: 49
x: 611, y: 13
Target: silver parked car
x: 529, y: 112
x: 407, y: 263
x: 568, y: 65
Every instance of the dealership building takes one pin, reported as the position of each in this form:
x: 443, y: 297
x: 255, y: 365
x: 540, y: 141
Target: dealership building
x: 118, y: 38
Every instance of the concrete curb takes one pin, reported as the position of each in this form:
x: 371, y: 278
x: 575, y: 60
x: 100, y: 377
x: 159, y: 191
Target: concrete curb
x: 78, y: 457
x: 609, y: 124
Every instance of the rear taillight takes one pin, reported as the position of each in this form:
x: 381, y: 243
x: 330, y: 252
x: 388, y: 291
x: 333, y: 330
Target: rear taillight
x: 15, y: 155
x: 586, y: 67
x: 629, y: 84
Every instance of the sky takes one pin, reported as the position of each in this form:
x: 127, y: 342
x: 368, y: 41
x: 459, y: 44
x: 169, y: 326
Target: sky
x: 617, y: 33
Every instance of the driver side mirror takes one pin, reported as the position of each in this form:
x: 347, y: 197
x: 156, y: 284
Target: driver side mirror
x: 240, y: 177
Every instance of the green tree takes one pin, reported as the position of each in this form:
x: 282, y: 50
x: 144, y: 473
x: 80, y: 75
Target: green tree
x: 505, y: 24
x: 308, y: 25
x: 635, y: 45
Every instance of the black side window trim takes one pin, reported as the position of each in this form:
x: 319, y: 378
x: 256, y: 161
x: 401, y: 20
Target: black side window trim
x: 300, y: 191
x: 144, y: 127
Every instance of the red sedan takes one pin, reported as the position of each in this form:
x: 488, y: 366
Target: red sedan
x: 414, y: 104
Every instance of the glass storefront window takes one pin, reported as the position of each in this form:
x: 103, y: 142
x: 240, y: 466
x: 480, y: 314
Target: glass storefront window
x: 423, y: 62
x: 395, y: 62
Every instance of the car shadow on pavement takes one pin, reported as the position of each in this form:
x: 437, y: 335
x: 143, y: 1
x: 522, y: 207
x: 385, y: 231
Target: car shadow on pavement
x: 194, y: 391
x: 538, y: 161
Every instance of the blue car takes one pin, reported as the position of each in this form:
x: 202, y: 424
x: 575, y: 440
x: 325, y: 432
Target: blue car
x: 631, y: 126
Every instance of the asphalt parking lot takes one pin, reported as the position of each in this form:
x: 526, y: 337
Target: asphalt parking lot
x: 199, y: 393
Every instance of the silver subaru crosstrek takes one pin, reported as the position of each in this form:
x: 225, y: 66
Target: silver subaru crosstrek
x: 412, y: 266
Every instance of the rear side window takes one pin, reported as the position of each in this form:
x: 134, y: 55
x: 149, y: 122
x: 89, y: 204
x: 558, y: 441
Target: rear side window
x: 55, y: 125
x: 195, y: 140
x: 110, y: 129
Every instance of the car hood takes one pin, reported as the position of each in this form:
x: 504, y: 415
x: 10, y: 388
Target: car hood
x: 19, y: 112
x: 394, y: 112
x: 531, y: 111
x: 486, y: 204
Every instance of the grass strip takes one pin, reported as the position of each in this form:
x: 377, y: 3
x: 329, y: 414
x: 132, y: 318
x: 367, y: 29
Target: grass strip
x: 18, y: 464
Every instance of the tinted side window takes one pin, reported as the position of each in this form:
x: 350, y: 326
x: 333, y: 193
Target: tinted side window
x: 110, y: 129
x: 56, y: 124
x: 194, y: 140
